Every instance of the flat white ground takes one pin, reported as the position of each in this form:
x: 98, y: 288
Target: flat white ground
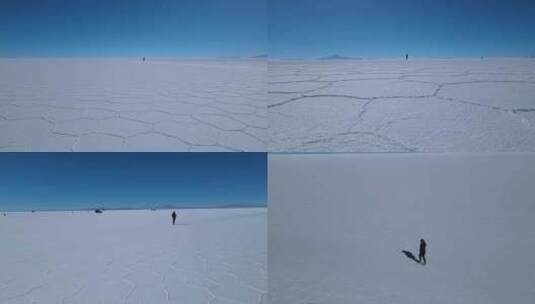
x: 210, y: 257
x: 338, y: 223
x: 450, y: 105
x: 129, y: 105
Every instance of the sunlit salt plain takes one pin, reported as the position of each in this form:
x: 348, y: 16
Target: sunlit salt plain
x: 130, y: 105
x: 427, y: 105
x: 209, y: 257
x: 338, y: 224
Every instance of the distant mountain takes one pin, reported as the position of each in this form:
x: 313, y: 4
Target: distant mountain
x: 260, y: 56
x: 337, y: 57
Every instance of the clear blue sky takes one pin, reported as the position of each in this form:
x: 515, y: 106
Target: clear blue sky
x: 391, y: 28
x: 190, y: 28
x: 135, y: 180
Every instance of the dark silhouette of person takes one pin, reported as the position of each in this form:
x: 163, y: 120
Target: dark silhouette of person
x: 406, y: 56
x: 173, y: 215
x: 143, y: 59
x: 421, y: 256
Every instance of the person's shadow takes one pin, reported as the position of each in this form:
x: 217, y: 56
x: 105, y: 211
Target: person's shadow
x: 410, y: 255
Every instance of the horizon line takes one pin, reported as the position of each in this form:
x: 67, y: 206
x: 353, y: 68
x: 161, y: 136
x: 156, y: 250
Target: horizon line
x: 260, y: 55
x: 134, y: 208
x: 268, y: 57
x: 402, y: 56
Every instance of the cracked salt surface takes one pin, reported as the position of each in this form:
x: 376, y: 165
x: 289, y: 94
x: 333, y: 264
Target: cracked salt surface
x: 128, y: 105
x: 450, y: 105
x: 214, y: 256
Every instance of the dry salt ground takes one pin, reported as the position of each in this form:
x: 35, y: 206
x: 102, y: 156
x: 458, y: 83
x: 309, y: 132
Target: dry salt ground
x: 337, y: 224
x: 421, y: 105
x: 214, y: 256
x: 130, y: 105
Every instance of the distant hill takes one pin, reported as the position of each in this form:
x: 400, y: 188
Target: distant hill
x: 337, y: 57
x: 260, y: 56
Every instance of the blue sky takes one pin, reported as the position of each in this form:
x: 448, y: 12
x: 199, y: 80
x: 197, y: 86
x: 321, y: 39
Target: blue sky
x: 391, y: 28
x: 135, y: 180
x: 112, y: 28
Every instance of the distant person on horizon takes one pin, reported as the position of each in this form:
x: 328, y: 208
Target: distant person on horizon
x: 406, y: 56
x: 143, y: 59
x: 421, y: 256
x: 173, y: 215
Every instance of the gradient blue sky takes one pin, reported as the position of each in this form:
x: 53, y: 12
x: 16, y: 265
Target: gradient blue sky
x: 181, y: 28
x: 391, y: 28
x: 134, y: 180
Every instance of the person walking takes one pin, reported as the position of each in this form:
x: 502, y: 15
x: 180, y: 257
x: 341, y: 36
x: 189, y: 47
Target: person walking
x: 173, y: 215
x: 421, y: 256
x: 406, y: 56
